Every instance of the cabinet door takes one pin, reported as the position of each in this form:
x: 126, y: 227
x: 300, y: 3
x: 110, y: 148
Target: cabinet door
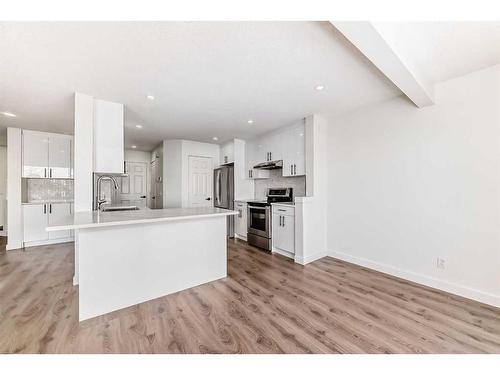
x: 59, y: 156
x: 108, y: 137
x: 35, y: 222
x: 284, y: 233
x: 57, y: 211
x: 35, y: 154
x: 294, y: 155
x: 241, y: 219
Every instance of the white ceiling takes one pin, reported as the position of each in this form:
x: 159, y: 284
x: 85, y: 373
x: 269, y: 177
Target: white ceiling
x: 443, y: 50
x: 208, y: 78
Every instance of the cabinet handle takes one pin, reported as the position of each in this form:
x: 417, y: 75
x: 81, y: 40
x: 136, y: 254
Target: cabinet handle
x: 44, y: 209
x: 280, y: 220
x: 44, y: 172
x: 50, y: 172
x: 50, y: 208
x: 282, y: 210
x: 295, y: 169
x: 291, y: 169
x: 283, y: 221
x: 270, y: 156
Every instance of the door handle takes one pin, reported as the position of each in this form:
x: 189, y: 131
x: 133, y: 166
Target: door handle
x: 207, y: 199
x: 142, y: 196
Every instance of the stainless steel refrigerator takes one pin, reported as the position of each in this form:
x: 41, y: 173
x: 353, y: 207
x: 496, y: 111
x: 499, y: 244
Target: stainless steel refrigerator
x: 224, y: 193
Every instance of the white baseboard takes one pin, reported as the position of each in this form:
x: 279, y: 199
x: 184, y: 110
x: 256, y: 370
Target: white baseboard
x: 243, y: 238
x: 48, y: 242
x: 309, y: 258
x: 460, y: 290
x: 284, y: 253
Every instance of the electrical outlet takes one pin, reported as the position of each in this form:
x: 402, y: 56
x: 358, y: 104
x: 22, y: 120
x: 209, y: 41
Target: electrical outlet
x: 440, y: 263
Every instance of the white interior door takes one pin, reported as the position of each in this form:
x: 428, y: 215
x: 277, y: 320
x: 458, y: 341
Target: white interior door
x: 134, y: 186
x: 200, y: 182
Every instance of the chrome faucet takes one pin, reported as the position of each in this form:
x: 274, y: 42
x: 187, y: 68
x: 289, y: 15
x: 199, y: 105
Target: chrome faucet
x: 98, y: 183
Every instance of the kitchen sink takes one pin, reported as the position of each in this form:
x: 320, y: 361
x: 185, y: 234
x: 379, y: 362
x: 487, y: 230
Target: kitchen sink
x: 118, y: 208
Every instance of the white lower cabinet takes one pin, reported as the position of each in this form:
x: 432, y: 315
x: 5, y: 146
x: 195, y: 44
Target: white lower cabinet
x: 283, y: 227
x: 35, y: 222
x: 36, y: 217
x: 240, y: 220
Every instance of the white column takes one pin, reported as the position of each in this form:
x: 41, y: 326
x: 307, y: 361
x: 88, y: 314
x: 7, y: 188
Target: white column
x: 14, y: 207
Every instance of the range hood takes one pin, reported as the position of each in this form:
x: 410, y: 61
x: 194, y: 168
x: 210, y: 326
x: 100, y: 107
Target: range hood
x: 276, y: 164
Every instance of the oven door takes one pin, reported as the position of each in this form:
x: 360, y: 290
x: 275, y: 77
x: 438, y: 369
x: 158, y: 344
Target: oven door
x: 259, y: 220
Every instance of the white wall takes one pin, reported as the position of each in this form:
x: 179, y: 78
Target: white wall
x: 3, y: 188
x: 83, y: 151
x: 14, y: 208
x: 407, y: 186
x: 172, y: 173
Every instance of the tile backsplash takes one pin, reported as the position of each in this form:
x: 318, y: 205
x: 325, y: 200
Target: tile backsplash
x: 276, y: 180
x: 44, y: 189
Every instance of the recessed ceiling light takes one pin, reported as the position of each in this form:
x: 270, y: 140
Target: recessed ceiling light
x: 9, y: 114
x: 138, y: 126
x: 134, y: 146
x: 215, y: 138
x: 319, y: 87
x: 250, y: 122
x: 150, y: 97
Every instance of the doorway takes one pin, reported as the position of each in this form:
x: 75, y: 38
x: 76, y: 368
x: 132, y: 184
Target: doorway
x: 133, y: 190
x: 200, y: 181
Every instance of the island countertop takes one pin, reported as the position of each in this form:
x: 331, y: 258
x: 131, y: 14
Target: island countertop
x: 95, y: 219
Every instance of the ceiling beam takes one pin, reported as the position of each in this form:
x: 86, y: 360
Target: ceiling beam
x: 367, y: 39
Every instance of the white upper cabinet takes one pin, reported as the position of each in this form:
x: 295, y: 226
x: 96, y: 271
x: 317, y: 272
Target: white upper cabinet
x: 255, y: 156
x: 227, y: 153
x: 287, y: 144
x: 294, y: 163
x: 60, y: 160
x: 47, y: 155
x: 35, y: 154
x: 108, y: 137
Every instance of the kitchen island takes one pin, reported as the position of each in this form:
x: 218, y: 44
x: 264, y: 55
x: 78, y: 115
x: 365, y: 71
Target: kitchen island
x: 125, y: 258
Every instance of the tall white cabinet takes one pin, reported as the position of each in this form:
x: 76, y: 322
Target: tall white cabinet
x: 108, y: 137
x: 46, y: 155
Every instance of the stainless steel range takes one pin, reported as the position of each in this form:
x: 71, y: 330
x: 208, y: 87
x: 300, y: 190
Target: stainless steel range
x: 259, y: 229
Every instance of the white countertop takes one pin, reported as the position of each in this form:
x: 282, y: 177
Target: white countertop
x: 283, y: 204
x: 94, y: 219
x: 47, y: 202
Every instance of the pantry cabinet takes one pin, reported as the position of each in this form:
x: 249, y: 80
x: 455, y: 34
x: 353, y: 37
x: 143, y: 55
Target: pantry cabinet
x: 46, y: 155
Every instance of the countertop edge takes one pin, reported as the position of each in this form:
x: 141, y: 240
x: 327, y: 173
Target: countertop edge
x: 135, y: 221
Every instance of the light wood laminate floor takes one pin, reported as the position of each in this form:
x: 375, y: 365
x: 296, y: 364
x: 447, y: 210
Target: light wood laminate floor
x: 267, y: 304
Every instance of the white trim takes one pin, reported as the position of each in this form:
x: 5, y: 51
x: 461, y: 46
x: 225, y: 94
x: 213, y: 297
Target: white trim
x: 283, y: 252
x: 48, y: 242
x: 243, y: 238
x: 460, y: 290
x: 310, y: 258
